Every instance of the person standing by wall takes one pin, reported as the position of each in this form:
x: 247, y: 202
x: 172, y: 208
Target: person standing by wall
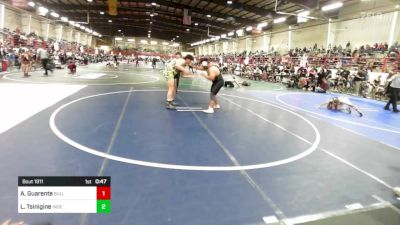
x: 394, y: 87
x: 44, y: 58
x: 360, y: 76
x: 25, y: 63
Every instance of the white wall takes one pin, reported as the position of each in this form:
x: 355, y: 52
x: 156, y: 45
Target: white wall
x: 366, y: 30
x: 361, y: 23
x: 279, y: 40
x: 307, y: 37
x: 13, y: 19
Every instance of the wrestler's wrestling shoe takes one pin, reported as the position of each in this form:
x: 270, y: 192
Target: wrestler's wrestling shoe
x: 170, y: 106
x: 209, y: 111
x: 174, y: 103
x: 397, y: 191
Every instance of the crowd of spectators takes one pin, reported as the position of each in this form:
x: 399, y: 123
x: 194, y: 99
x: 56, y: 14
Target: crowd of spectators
x: 343, y: 69
x: 30, y: 52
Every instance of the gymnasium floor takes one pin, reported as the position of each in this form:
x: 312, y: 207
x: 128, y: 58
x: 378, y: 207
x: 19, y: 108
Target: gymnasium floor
x: 269, y: 154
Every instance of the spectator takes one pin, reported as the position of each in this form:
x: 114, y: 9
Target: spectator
x: 394, y: 92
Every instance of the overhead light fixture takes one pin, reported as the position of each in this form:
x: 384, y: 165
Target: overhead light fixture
x: 54, y: 14
x: 119, y: 30
x: 90, y: 0
x: 188, y: 30
x: 151, y: 22
x: 229, y: 2
x: 303, y: 14
x: 153, y: 42
x: 332, y: 6
x: 151, y: 14
x: 64, y: 19
x: 101, y: 13
x: 31, y: 4
x: 230, y: 34
x: 280, y: 20
x: 131, y: 40
x: 175, y: 45
x: 149, y: 31
x: 118, y: 38
x: 223, y: 36
x: 239, y: 32
x: 143, y: 41
x: 153, y: 4
x: 208, y: 15
x: 262, y: 25
x: 110, y: 21
x: 100, y: 35
x: 71, y: 23
x: 165, y: 43
x: 249, y: 28
x: 43, y: 11
x: 77, y: 25
x: 176, y: 37
x: 196, y: 24
x: 217, y: 38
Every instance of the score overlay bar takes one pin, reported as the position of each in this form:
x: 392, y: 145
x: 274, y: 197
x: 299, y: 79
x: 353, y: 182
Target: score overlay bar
x: 64, y: 194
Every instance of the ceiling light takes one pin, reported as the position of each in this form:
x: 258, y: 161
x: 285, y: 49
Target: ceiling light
x: 249, y: 28
x: 229, y: 2
x: 54, y: 14
x: 332, y: 6
x: 71, y: 23
x: 230, y: 34
x: 90, y: 0
x: 151, y: 22
x: 175, y: 45
x: 304, y: 14
x: 153, y: 3
x: 196, y: 24
x: 280, y: 20
x: 176, y: 37
x: 165, y: 43
x: 131, y: 40
x: 31, y: 4
x: 43, y: 11
x: 208, y: 15
x: 101, y: 13
x: 118, y: 39
x: 76, y: 24
x: 262, y: 25
x: 239, y: 32
x: 110, y: 21
x: 119, y: 30
x: 143, y: 41
x: 100, y: 35
x: 223, y: 36
x: 188, y: 30
x: 154, y: 42
x: 151, y: 14
x: 149, y: 31
x: 65, y: 19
